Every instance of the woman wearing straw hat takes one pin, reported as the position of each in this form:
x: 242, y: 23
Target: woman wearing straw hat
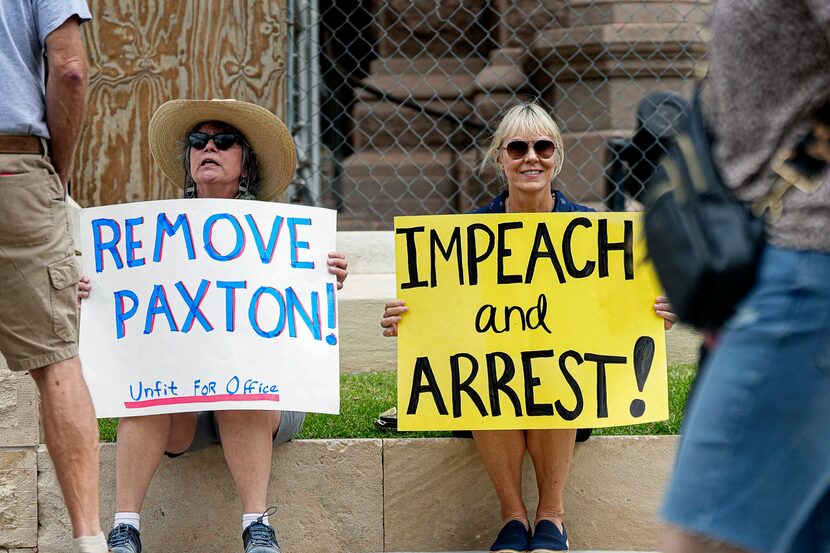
x: 212, y: 149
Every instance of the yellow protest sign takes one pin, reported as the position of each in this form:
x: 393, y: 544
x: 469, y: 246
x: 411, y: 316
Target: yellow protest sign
x: 541, y: 320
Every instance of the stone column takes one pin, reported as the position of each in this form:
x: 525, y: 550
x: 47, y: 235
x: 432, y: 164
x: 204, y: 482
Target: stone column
x: 612, y: 54
x: 507, y: 76
x: 19, y: 437
x: 428, y: 52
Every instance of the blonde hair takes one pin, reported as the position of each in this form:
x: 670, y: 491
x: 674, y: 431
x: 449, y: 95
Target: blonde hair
x: 524, y: 118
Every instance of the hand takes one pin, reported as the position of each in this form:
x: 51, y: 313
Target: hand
x: 392, y: 315
x: 664, y: 309
x: 84, y: 287
x: 338, y: 267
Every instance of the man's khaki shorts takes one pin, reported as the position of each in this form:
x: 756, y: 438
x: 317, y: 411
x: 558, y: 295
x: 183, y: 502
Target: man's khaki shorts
x: 39, y: 273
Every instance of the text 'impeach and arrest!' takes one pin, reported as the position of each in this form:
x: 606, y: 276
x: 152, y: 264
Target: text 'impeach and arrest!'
x: 527, y: 321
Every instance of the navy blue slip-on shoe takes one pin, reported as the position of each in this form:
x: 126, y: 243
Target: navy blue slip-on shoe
x: 582, y: 434
x: 547, y: 538
x: 258, y: 537
x: 513, y: 538
x: 124, y: 538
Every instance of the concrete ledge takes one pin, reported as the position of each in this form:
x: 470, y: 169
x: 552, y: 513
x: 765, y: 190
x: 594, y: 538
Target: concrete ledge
x: 364, y: 348
x: 328, y: 494
x: 369, y: 251
x: 18, y: 409
x: 437, y: 495
x: 361, y: 496
x: 18, y: 498
x: 371, y: 283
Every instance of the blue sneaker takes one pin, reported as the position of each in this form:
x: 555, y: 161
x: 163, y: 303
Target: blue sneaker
x: 258, y: 537
x: 547, y: 538
x: 513, y: 538
x: 124, y: 538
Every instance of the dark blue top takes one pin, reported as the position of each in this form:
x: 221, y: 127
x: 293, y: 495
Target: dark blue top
x: 561, y: 204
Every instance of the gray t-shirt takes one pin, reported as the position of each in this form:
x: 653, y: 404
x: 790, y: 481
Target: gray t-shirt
x: 769, y: 68
x: 24, y: 26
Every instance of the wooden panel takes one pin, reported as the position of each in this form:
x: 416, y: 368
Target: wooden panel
x: 145, y: 52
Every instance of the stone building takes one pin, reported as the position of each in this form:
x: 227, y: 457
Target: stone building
x: 412, y: 90
x: 438, y: 73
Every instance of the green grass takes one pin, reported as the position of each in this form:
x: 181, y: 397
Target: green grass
x: 107, y: 429
x: 680, y: 382
x: 364, y: 396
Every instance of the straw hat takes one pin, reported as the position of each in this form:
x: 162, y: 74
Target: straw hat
x: 267, y: 135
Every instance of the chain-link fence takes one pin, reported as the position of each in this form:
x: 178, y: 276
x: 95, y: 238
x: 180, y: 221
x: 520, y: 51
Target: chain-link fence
x: 410, y: 92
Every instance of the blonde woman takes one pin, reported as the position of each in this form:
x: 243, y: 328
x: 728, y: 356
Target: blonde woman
x: 527, y: 149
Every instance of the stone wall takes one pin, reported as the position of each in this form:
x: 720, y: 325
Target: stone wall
x: 19, y: 439
x: 351, y: 496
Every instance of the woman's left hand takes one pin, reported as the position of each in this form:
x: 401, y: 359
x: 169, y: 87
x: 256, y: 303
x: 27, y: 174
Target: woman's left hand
x: 664, y: 309
x: 338, y: 267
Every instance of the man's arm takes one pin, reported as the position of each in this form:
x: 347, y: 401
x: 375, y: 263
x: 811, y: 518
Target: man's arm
x: 66, y: 86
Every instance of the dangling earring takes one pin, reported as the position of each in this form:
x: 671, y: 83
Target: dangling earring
x: 243, y: 186
x: 189, y: 187
x: 189, y: 183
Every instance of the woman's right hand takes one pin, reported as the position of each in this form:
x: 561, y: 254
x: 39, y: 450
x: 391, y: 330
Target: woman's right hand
x: 392, y: 316
x: 84, y: 287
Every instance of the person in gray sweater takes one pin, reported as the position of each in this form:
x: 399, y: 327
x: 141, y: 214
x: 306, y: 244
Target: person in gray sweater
x: 753, y: 466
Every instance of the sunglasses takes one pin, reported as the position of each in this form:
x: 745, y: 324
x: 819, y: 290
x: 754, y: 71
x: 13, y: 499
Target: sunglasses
x: 517, y: 149
x: 222, y: 140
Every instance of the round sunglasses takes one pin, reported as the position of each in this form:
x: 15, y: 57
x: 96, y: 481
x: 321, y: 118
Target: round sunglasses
x: 517, y: 149
x: 222, y: 140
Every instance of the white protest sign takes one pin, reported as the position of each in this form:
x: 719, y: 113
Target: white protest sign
x: 209, y: 304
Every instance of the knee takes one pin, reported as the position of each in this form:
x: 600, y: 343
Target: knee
x: 246, y: 422
x: 181, y: 431
x: 145, y: 426
x: 243, y: 416
x: 69, y: 369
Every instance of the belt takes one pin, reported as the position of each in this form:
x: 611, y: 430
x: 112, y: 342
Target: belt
x: 20, y: 144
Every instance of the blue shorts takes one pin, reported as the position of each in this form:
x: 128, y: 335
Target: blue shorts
x: 753, y: 465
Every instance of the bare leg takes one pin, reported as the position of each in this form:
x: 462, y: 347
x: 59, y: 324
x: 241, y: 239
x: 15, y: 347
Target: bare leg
x: 502, y: 452
x: 247, y: 440
x: 71, y: 433
x: 142, y: 442
x: 675, y: 540
x: 551, y: 452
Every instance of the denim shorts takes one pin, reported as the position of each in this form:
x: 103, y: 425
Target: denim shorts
x: 753, y: 465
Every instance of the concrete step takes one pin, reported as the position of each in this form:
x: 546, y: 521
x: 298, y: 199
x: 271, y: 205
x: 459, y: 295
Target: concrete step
x: 364, y: 348
x: 361, y: 496
x: 371, y: 282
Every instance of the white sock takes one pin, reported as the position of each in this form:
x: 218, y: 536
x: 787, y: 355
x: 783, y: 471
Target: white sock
x: 90, y: 544
x: 250, y: 518
x: 133, y: 519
